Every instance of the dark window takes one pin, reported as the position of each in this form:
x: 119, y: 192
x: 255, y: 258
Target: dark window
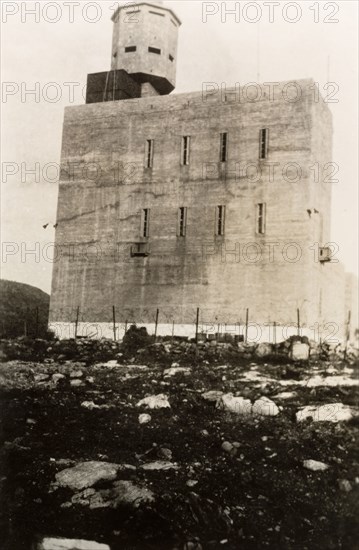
x: 185, y: 150
x: 130, y: 49
x: 149, y: 153
x: 261, y: 218
x: 263, y: 143
x: 220, y: 219
x: 115, y: 54
x: 145, y: 222
x: 223, y: 150
x: 182, y: 221
x: 154, y: 50
x: 171, y: 58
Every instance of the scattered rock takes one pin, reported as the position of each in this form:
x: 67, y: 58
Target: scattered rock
x: 315, y: 465
x: 144, y: 418
x: 165, y: 453
x: 76, y: 382
x: 345, y: 485
x: 212, y: 395
x: 57, y: 377
x: 263, y: 350
x: 121, y: 493
x: 160, y: 465
x: 227, y: 446
x: 265, y: 407
x: 237, y: 405
x: 76, y: 374
x: 41, y: 377
x: 285, y: 395
x: 332, y: 412
x: 191, y: 483
x: 299, y: 352
x: 90, y: 405
x: 175, y: 370
x: 86, y: 474
x: 159, y: 401
x: 70, y: 544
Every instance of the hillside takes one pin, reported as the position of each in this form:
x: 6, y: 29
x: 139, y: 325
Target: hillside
x: 23, y: 308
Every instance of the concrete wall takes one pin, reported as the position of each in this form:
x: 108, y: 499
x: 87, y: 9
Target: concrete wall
x: 105, y: 185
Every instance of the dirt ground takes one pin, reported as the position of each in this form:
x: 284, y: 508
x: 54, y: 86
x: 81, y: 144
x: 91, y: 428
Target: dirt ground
x: 252, y: 492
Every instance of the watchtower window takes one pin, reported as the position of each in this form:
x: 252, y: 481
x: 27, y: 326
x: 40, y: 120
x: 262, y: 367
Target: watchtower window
x: 220, y: 219
x: 145, y: 223
x: 154, y: 50
x: 129, y: 49
x: 223, y: 147
x: 149, y: 153
x: 261, y: 218
x: 186, y: 140
x: 171, y: 58
x: 182, y: 221
x: 263, y: 143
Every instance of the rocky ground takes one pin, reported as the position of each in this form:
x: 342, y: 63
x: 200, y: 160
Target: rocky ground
x: 171, y: 447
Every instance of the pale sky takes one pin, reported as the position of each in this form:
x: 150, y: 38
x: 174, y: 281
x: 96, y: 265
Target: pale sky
x: 61, y: 52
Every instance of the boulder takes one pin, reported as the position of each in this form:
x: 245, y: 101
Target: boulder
x: 263, y: 350
x: 237, y: 405
x: 332, y: 412
x: 300, y: 352
x: 49, y: 543
x: 86, y: 474
x: 315, y: 465
x: 160, y: 465
x: 159, y: 401
x: 144, y: 418
x: 265, y: 407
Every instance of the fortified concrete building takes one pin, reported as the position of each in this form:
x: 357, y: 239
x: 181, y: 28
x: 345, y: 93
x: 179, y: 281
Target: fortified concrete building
x: 218, y: 200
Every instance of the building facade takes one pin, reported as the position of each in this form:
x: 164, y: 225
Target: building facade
x: 218, y: 200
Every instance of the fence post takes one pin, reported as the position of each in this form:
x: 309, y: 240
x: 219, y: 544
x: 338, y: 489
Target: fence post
x: 298, y: 321
x: 247, y: 319
x: 114, y: 322
x: 275, y: 333
x: 156, y: 325
x: 347, y: 336
x: 173, y: 331
x: 197, y: 323
x: 77, y: 320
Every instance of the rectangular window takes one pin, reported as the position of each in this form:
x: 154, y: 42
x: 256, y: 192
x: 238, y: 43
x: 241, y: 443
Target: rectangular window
x: 154, y: 50
x: 149, y: 153
x: 223, y: 150
x: 130, y: 49
x: 145, y: 223
x: 220, y: 219
x: 186, y: 140
x: 263, y: 143
x: 171, y: 58
x: 261, y: 218
x: 182, y: 221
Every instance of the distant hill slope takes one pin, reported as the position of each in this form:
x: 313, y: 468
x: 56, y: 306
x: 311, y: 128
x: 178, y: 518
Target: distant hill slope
x: 23, y: 308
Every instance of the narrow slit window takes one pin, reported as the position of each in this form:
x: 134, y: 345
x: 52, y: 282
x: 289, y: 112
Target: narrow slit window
x: 261, y: 218
x: 220, y: 219
x: 171, y: 58
x: 182, y: 221
x: 263, y: 143
x: 186, y: 142
x: 223, y: 150
x: 145, y: 229
x: 149, y: 153
x: 129, y: 49
x: 154, y: 50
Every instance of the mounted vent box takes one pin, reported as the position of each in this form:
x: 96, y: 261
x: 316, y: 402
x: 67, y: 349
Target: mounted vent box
x: 325, y: 254
x: 140, y: 250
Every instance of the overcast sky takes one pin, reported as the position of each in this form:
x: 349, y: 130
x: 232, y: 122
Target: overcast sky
x: 212, y: 48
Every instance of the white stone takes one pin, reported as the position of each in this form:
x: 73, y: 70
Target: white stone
x: 86, y: 474
x: 315, y: 465
x: 237, y: 405
x: 49, y: 543
x: 75, y: 383
x: 160, y: 465
x: 300, y: 352
x: 263, y: 350
x: 174, y: 370
x: 89, y: 405
x: 159, y: 401
x: 212, y: 395
x: 331, y: 412
x: 56, y: 377
x: 265, y: 407
x: 76, y: 374
x: 144, y: 418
